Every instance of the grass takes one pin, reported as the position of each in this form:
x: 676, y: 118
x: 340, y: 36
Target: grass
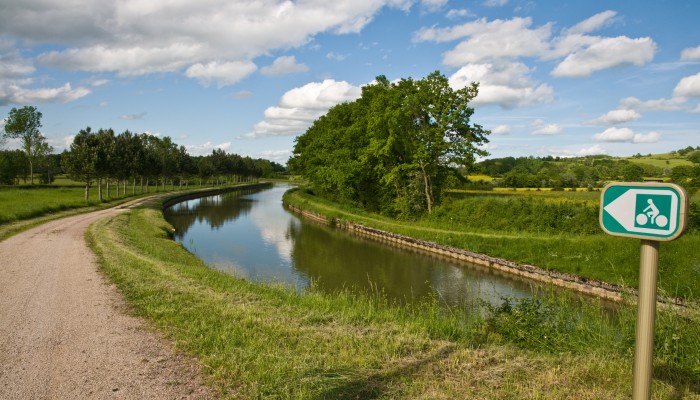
x: 667, y: 160
x: 588, y: 254
x: 261, y: 341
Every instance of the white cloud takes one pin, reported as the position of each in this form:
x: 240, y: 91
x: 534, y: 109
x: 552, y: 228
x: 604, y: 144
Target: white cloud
x: 615, y: 135
x: 495, y: 3
x: 223, y: 74
x: 489, y: 40
x: 134, y: 37
x: 593, y: 23
x: 283, y: 66
x: 206, y: 148
x: 13, y: 93
x: 336, y: 56
x: 280, y: 156
x: 459, y: 13
x: 606, y: 53
x: 696, y: 109
x: 626, y: 135
x: 133, y: 117
x: 691, y: 54
x: 673, y: 104
x: 688, y: 86
x: 501, y: 130
x: 505, y: 84
x: 300, y: 107
x: 433, y: 5
x: 651, y: 137
x: 243, y: 94
x: 590, y: 151
x: 615, y: 117
x: 549, y: 129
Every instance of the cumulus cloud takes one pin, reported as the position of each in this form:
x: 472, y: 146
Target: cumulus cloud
x: 433, y: 5
x: 688, y: 86
x: 606, y: 53
x: 280, y: 156
x: 501, y: 130
x: 223, y: 74
x: 504, y: 84
x: 691, y: 54
x: 626, y: 135
x: 616, y: 117
x: 13, y: 93
x: 598, y: 21
x: 134, y: 37
x: 590, y: 151
x: 283, y: 66
x: 459, y: 13
x: 489, y: 40
x: 549, y: 129
x: 206, y: 148
x: 299, y: 107
x: 673, y: 104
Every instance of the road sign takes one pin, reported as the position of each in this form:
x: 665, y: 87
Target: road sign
x: 653, y: 211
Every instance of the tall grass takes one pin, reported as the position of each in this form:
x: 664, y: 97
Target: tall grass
x: 262, y: 341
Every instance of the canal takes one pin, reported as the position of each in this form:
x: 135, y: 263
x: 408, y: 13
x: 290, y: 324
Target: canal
x: 250, y: 235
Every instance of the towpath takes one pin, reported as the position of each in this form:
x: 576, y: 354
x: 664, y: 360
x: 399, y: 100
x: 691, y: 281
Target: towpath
x: 66, y: 333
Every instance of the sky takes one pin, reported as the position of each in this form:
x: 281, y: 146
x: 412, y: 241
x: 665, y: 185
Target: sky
x: 561, y: 78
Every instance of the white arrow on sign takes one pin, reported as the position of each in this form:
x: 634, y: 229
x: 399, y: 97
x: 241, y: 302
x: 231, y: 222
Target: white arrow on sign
x: 623, y: 209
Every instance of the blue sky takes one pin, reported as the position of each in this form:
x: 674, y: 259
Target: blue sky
x: 561, y: 78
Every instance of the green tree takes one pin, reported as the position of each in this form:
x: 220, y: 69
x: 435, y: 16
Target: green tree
x: 24, y: 124
x: 79, y: 162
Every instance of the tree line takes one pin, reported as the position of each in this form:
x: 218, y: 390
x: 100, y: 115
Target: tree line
x: 395, y: 148
x: 588, y: 171
x: 125, y: 161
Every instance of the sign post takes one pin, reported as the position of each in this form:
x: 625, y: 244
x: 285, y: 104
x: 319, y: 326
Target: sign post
x: 652, y: 212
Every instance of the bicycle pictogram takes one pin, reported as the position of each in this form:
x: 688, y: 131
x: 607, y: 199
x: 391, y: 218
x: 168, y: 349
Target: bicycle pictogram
x: 651, y: 214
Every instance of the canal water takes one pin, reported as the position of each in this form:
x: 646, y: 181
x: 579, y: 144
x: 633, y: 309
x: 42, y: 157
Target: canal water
x: 249, y: 234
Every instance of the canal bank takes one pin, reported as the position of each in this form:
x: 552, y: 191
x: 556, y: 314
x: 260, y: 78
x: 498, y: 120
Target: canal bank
x: 587, y: 286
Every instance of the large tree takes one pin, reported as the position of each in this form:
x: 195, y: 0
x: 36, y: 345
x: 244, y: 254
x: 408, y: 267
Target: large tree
x: 393, y: 148
x: 24, y: 124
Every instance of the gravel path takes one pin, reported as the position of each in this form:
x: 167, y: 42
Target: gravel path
x: 66, y: 333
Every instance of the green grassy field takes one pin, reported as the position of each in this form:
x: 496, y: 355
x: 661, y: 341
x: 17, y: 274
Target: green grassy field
x: 261, y: 341
x: 667, y: 160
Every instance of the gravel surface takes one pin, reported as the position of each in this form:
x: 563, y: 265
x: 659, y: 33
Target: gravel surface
x: 66, y: 333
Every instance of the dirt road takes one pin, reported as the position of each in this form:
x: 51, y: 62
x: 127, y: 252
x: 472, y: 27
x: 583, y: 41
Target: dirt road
x: 65, y: 332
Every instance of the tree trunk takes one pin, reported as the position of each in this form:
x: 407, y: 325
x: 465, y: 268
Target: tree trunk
x: 87, y: 192
x: 133, y: 187
x: 108, y: 194
x: 146, y: 184
x: 124, y: 187
x: 117, y: 185
x: 428, y: 191
x: 99, y: 188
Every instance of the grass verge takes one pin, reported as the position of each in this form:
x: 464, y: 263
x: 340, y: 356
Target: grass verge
x: 261, y: 341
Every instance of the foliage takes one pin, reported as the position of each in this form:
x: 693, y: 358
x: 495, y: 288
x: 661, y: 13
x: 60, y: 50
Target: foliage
x: 103, y: 156
x: 24, y: 124
x: 393, y: 149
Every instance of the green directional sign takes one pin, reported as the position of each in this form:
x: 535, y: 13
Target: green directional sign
x: 654, y: 211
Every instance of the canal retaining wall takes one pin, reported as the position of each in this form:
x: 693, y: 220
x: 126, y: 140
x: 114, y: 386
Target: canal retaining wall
x: 591, y: 287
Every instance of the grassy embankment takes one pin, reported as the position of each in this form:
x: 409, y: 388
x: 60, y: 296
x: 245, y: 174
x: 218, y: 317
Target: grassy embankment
x: 552, y: 230
x: 261, y: 341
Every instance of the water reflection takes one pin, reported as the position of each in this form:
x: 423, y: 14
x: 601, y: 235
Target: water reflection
x: 250, y: 235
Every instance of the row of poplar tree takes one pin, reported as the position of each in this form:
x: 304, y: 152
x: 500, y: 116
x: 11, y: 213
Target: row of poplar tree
x: 136, y: 161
